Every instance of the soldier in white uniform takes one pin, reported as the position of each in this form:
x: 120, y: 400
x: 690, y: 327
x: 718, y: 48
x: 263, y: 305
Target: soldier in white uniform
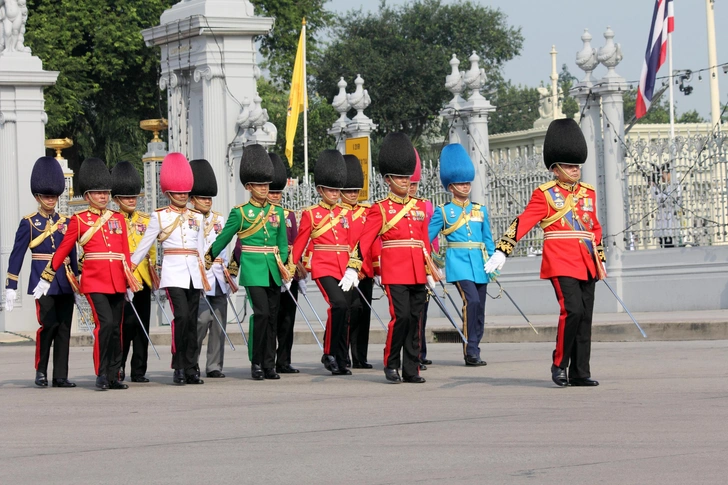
x: 179, y: 230
x: 203, y: 190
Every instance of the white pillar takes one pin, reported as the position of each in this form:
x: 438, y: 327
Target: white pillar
x: 712, y: 62
x: 453, y: 111
x: 342, y: 106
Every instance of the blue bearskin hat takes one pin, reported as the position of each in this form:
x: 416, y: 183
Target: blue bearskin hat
x: 564, y: 143
x: 455, y: 165
x: 47, y: 177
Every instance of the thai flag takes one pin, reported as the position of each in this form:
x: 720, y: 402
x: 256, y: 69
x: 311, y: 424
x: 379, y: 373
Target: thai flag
x: 663, y: 23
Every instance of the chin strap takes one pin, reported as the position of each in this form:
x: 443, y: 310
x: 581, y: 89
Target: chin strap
x: 400, y: 187
x: 125, y: 207
x: 573, y: 180
x: 258, y: 197
x: 460, y: 193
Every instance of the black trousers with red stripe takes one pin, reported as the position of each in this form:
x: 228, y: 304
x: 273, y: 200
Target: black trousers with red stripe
x: 133, y: 334
x: 573, y: 336
x: 55, y: 313
x: 108, y: 311
x: 359, y: 321
x: 337, y: 322
x: 185, y: 304
x: 406, y: 303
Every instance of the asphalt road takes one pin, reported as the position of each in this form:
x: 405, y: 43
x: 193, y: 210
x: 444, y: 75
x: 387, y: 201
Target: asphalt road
x: 660, y: 415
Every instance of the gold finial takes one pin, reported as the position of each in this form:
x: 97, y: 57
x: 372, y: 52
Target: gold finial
x: 155, y: 126
x: 59, y: 144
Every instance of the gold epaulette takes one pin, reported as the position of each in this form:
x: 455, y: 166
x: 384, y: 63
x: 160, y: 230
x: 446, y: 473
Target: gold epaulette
x: 547, y: 185
x: 364, y: 204
x: 240, y: 205
x: 30, y: 215
x: 311, y: 207
x: 144, y: 215
x: 381, y: 201
x: 217, y: 213
x: 80, y: 212
x: 161, y: 209
x: 588, y: 186
x: 194, y: 210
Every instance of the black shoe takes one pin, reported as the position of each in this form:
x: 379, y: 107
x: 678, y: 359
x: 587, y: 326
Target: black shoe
x: 342, y: 371
x: 392, y: 375
x: 475, y: 361
x: 118, y: 385
x: 348, y: 362
x: 179, y: 377
x: 414, y: 379
x: 270, y: 373
x: 558, y: 375
x: 102, y: 383
x: 362, y: 365
x: 40, y: 379
x: 287, y: 369
x: 194, y: 379
x: 426, y: 361
x: 63, y: 382
x: 139, y: 379
x: 423, y: 367
x: 215, y: 374
x: 583, y: 382
x: 256, y: 372
x: 330, y: 363
x: 121, y: 376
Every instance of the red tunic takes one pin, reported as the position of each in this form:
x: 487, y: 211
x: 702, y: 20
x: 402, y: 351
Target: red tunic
x: 564, y: 252
x: 404, y: 246
x: 357, y: 217
x: 98, y: 275
x: 329, y: 250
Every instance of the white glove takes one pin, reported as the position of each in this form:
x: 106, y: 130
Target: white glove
x: 10, y: 296
x: 129, y: 295
x: 351, y: 278
x: 79, y: 299
x: 496, y: 262
x: 431, y: 282
x: 377, y: 280
x: 302, y: 285
x: 41, y: 289
x: 286, y: 286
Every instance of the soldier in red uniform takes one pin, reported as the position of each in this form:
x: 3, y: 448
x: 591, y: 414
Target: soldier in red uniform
x: 326, y: 226
x: 400, y: 222
x: 107, y: 278
x: 573, y: 255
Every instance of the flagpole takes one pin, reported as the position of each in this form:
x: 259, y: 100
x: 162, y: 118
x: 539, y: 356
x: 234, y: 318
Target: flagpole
x: 712, y: 62
x: 305, y: 109
x: 672, y: 86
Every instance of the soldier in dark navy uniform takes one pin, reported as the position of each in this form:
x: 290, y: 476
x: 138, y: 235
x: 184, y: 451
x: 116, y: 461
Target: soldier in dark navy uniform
x: 42, y: 232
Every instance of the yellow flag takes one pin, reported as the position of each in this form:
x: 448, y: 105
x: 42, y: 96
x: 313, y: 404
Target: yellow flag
x: 298, y: 100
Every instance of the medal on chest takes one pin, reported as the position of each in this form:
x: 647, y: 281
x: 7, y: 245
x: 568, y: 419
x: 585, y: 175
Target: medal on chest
x: 193, y: 224
x: 114, y: 226
x: 62, y: 226
x: 217, y: 227
x: 273, y: 220
x: 345, y: 223
x: 587, y: 204
x: 251, y: 213
x: 140, y: 228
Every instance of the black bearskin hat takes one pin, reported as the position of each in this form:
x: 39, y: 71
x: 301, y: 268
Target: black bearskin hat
x: 354, y: 173
x: 564, y: 143
x: 205, y: 183
x: 280, y: 175
x: 397, y: 155
x: 330, y: 170
x: 93, y: 175
x: 47, y: 177
x: 125, y: 180
x: 255, y: 166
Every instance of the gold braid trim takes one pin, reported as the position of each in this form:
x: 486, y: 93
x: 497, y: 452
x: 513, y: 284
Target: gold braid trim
x: 507, y: 242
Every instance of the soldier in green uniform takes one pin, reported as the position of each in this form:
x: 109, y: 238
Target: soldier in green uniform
x: 260, y: 227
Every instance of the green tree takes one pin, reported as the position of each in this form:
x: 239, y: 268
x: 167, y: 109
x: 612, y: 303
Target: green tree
x: 659, y: 111
x: 279, y: 46
x: 516, y: 109
x: 403, y: 54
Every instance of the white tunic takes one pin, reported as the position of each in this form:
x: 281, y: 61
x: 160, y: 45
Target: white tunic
x: 183, y: 230
x: 214, y: 223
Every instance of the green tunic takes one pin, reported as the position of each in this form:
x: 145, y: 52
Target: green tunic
x: 271, y: 234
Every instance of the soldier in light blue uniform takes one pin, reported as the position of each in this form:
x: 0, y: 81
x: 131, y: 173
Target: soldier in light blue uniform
x: 466, y: 228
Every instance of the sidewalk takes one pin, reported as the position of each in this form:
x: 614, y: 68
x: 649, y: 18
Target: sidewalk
x: 608, y: 327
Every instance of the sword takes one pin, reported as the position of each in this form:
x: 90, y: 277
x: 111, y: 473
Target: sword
x: 447, y: 313
x: 444, y: 290
x: 372, y: 309
x: 144, y: 329
x: 312, y: 309
x: 625, y: 309
x: 230, y: 301
x: 82, y: 317
x: 161, y: 307
x: 516, y: 305
x: 222, y: 327
x: 304, y: 315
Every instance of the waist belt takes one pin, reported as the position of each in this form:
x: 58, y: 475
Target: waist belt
x: 411, y: 243
x: 131, y: 281
x: 181, y: 252
x: 191, y: 252
x: 331, y: 247
x: 217, y: 260
x: 466, y: 245
x: 259, y: 249
x: 569, y: 235
x: 47, y: 257
x: 99, y: 256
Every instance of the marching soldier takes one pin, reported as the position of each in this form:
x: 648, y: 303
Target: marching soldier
x: 107, y: 278
x: 203, y: 190
x: 573, y: 255
x: 406, y: 267
x: 361, y: 312
x: 179, y: 230
x: 264, y: 247
x: 466, y: 227
x: 287, y: 311
x: 326, y: 227
x: 125, y: 189
x: 42, y: 232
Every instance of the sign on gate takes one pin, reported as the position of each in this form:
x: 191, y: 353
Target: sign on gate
x: 359, y: 147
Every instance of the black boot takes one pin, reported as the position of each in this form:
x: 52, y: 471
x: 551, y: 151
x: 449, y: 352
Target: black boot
x: 392, y: 375
x: 102, y: 383
x: 40, y: 379
x: 179, y: 377
x: 270, y: 374
x: 63, y: 382
x: 256, y: 372
x: 330, y: 363
x: 558, y: 375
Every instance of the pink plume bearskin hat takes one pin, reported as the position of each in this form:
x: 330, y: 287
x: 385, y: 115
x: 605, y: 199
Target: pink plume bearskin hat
x: 176, y: 174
